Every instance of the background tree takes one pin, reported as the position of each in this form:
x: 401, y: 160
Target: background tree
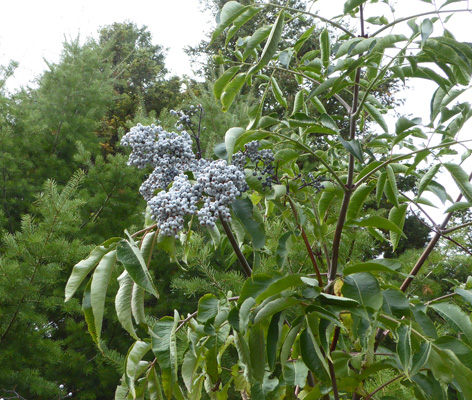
x: 139, y: 77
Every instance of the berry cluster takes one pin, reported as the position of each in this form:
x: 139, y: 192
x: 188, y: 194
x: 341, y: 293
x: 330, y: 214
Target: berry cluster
x: 313, y: 182
x: 263, y: 161
x: 142, y: 139
x: 171, y: 156
x: 185, y: 118
x: 169, y: 208
x: 222, y: 184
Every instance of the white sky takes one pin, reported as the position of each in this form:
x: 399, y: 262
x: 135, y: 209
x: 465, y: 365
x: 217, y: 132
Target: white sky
x: 31, y: 30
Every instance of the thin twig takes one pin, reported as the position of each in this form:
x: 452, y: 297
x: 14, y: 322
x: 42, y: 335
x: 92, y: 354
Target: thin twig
x: 446, y: 296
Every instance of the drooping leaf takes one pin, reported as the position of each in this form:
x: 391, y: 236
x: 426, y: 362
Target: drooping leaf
x: 426, y: 29
x: 135, y: 354
x: 376, y: 221
x: 391, y: 188
x: 368, y: 266
x: 257, y: 351
x: 325, y: 47
x: 395, y: 303
x: 154, y: 385
x: 123, y: 303
x: 278, y: 93
x: 278, y: 285
x: 459, y: 206
x: 163, y: 342
x: 288, y: 343
x: 88, y: 313
x: 254, y: 286
x: 228, y: 14
x: 257, y: 37
x: 404, y: 347
x: 303, y: 38
x: 243, y: 208
x: 129, y: 255
x: 242, y: 19
x: 397, y: 215
x: 273, y: 339
x: 456, y: 318
x: 275, y: 306
x: 83, y: 268
x: 461, y: 178
x: 376, y: 116
x: 98, y: 290
x: 353, y: 147
x: 311, y: 356
x: 137, y: 305
x: 420, y: 358
x: 357, y: 201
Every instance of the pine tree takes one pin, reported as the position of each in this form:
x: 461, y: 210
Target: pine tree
x: 43, y: 340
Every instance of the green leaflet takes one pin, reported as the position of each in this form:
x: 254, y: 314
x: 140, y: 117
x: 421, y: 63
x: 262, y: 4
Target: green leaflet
x: 427, y: 178
x: 376, y: 116
x: 229, y: 13
x: 130, y: 256
x: 207, y: 308
x: 351, y: 4
x: 231, y: 136
x: 271, y: 45
x: 231, y: 90
x: 88, y: 313
x: 99, y: 286
x: 325, y: 47
x: 357, y: 201
x: 163, y: 342
x: 132, y: 364
x: 461, y: 178
x: 456, y: 318
x: 123, y: 303
x: 82, y: 269
x: 223, y: 80
x: 273, y: 338
x: 278, y: 93
x: 364, y: 288
x: 397, y: 215
x: 257, y: 37
x: 257, y: 351
x: 404, y: 347
x: 242, y: 19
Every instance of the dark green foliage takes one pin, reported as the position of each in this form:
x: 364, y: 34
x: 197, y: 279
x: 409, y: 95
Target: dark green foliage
x: 139, y: 81
x: 46, y: 125
x: 42, y: 338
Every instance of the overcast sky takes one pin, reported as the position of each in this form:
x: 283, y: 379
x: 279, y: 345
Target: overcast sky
x: 31, y: 30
